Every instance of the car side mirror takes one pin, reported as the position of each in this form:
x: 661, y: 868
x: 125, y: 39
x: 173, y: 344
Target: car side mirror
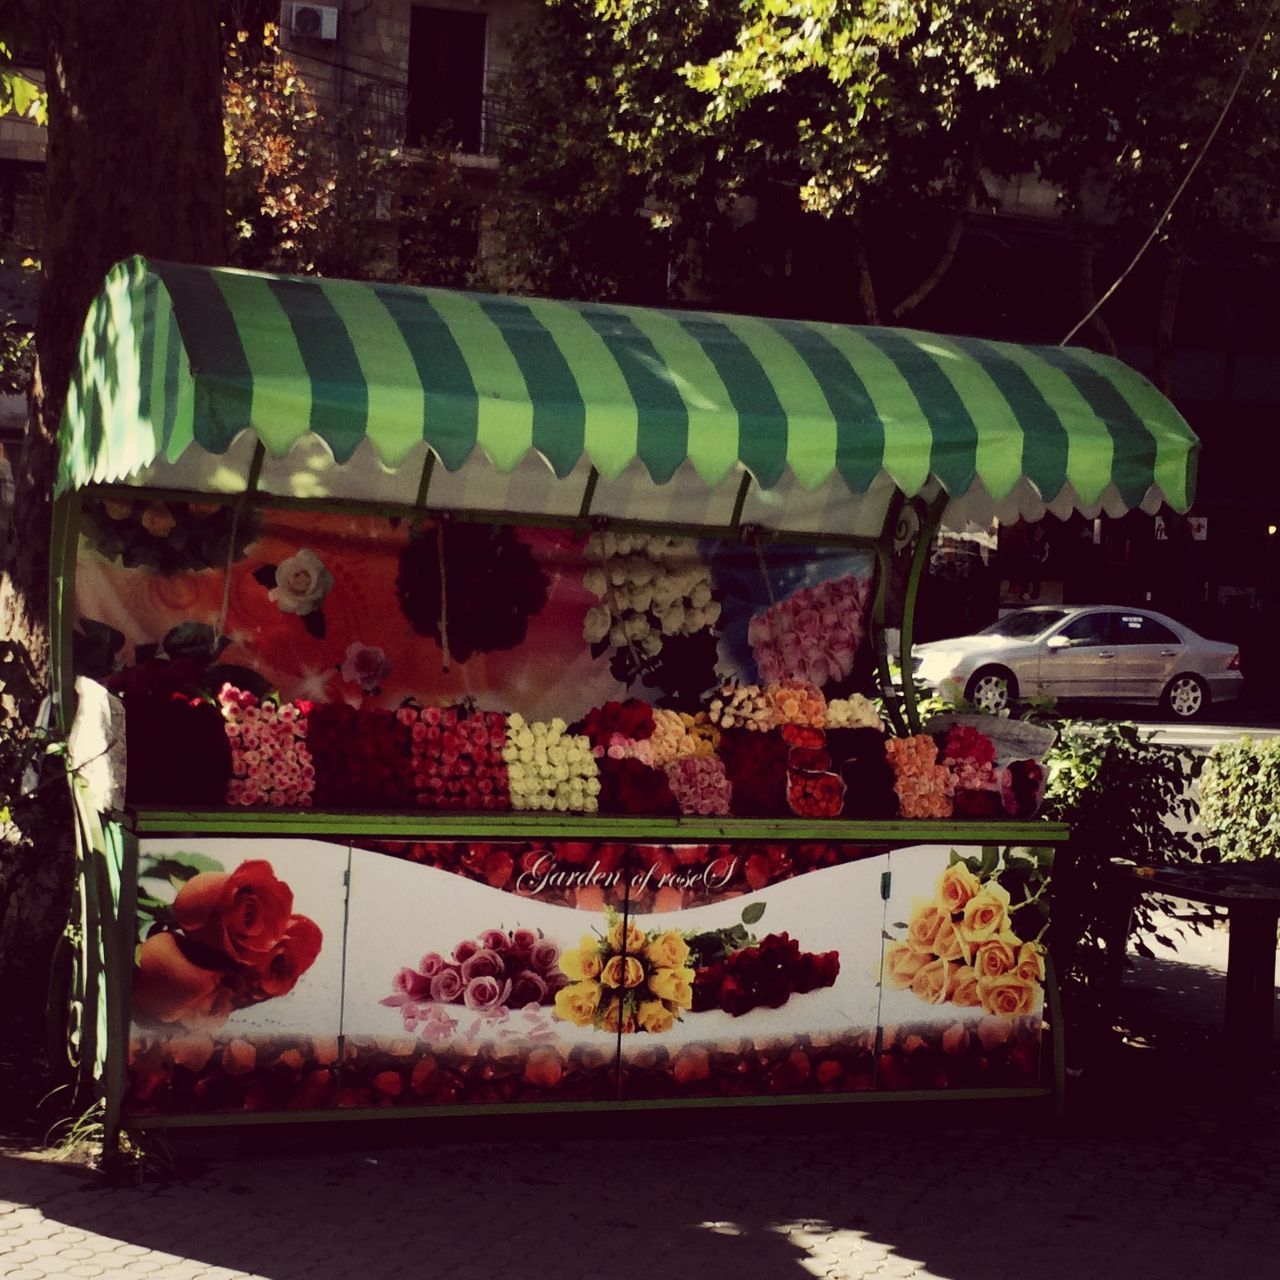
x: 1058, y: 642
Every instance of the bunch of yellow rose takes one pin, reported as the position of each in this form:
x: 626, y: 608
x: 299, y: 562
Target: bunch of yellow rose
x: 629, y: 980
x: 960, y: 949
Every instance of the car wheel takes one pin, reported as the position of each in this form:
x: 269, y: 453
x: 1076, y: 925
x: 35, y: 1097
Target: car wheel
x: 1186, y: 697
x: 991, y: 689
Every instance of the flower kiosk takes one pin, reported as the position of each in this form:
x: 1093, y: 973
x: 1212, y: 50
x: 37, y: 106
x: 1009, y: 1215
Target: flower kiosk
x: 509, y: 722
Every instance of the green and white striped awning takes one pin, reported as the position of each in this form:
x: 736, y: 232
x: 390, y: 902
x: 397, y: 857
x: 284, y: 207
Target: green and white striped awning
x: 351, y: 388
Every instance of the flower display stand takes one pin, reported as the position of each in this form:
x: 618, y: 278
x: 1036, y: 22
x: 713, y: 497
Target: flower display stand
x: 510, y: 722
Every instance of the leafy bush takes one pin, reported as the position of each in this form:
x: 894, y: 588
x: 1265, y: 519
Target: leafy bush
x: 1240, y: 799
x: 1126, y: 796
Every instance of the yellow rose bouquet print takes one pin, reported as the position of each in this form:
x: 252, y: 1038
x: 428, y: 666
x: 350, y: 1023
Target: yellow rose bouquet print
x: 978, y: 942
x: 629, y: 980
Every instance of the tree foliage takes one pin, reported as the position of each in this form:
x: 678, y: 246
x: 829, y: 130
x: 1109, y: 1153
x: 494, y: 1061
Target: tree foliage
x: 310, y: 192
x: 671, y: 145
x: 19, y: 93
x: 856, y: 112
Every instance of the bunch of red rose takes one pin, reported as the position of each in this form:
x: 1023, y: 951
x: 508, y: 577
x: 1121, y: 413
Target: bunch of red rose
x: 766, y: 975
x: 194, y: 777
x: 631, y: 786
x: 970, y: 755
x: 456, y: 757
x: 815, y: 794
x: 361, y: 757
x: 813, y: 791
x: 632, y: 720
x: 756, y: 764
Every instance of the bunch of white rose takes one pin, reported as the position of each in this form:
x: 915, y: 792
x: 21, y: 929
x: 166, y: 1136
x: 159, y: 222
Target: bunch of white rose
x: 853, y: 712
x: 649, y: 586
x: 550, y: 768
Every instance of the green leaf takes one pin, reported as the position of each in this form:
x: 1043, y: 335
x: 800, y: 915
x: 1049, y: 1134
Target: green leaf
x: 752, y: 912
x: 181, y: 865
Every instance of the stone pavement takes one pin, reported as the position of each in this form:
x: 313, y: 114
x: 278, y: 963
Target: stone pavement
x: 1162, y: 1169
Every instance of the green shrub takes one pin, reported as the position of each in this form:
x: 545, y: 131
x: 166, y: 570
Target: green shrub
x: 1240, y: 799
x: 1124, y: 796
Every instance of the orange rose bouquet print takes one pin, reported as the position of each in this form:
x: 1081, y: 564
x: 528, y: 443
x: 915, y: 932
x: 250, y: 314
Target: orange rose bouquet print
x: 228, y: 940
x: 977, y: 943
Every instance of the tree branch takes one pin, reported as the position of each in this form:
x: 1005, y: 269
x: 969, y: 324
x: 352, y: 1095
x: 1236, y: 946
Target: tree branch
x: 940, y: 269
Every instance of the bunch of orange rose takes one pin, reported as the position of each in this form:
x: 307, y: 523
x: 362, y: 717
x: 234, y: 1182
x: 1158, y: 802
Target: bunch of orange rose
x: 924, y: 787
x: 960, y: 949
x: 629, y: 980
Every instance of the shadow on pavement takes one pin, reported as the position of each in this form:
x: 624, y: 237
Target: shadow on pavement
x: 1165, y: 1165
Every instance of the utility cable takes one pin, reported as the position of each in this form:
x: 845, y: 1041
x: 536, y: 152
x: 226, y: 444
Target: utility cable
x: 1182, y: 186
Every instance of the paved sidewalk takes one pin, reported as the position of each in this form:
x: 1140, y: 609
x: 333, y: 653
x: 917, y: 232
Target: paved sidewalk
x: 1163, y: 1170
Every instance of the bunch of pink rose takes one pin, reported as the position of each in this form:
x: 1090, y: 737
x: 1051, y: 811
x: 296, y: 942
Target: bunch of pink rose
x: 813, y: 634
x: 270, y: 763
x: 457, y: 757
x: 700, y: 784
x: 497, y: 970
x: 970, y: 754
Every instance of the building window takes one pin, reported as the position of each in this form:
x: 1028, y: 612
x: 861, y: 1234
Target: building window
x: 446, y: 78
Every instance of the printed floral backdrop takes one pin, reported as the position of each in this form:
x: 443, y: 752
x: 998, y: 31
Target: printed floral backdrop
x: 303, y: 974
x: 371, y: 610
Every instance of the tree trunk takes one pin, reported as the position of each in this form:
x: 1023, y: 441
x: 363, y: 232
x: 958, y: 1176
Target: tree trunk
x: 862, y: 276
x: 1162, y: 356
x: 134, y: 165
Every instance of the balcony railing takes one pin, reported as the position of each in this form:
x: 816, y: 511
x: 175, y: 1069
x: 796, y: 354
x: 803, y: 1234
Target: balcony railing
x: 381, y: 111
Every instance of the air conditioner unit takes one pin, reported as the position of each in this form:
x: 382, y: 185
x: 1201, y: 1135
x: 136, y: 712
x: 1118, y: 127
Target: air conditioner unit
x: 313, y: 21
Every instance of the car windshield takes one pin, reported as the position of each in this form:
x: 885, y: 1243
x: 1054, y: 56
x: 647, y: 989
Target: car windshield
x: 1025, y: 623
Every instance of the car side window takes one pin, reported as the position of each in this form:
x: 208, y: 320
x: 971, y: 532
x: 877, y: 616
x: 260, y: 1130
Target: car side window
x: 1137, y: 628
x: 1092, y: 628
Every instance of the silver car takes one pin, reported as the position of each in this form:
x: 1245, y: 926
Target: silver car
x: 1097, y: 652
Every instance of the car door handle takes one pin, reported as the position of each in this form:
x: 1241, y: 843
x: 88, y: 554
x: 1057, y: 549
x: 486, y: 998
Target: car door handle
x: 1107, y: 653
x: 1168, y: 653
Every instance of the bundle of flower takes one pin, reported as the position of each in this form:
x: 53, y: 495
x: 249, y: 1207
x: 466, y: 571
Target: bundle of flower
x: 764, y: 975
x: 1022, y: 787
x: 700, y: 785
x: 270, y: 762
x: 632, y: 721
x: 815, y: 793
x: 970, y: 755
x: 650, y: 587
x: 627, y: 981
x: 797, y: 702
x: 228, y: 941
x: 677, y: 734
x: 923, y: 786
x: 194, y: 777
x: 804, y: 737
x: 628, y: 785
x: 961, y: 949
x: 361, y: 757
x: 489, y: 974
x: 756, y: 766
x: 742, y: 706
x: 859, y: 756
x: 813, y: 634
x: 167, y: 537
x: 471, y: 587
x: 457, y: 759
x: 550, y: 768
x: 853, y: 712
